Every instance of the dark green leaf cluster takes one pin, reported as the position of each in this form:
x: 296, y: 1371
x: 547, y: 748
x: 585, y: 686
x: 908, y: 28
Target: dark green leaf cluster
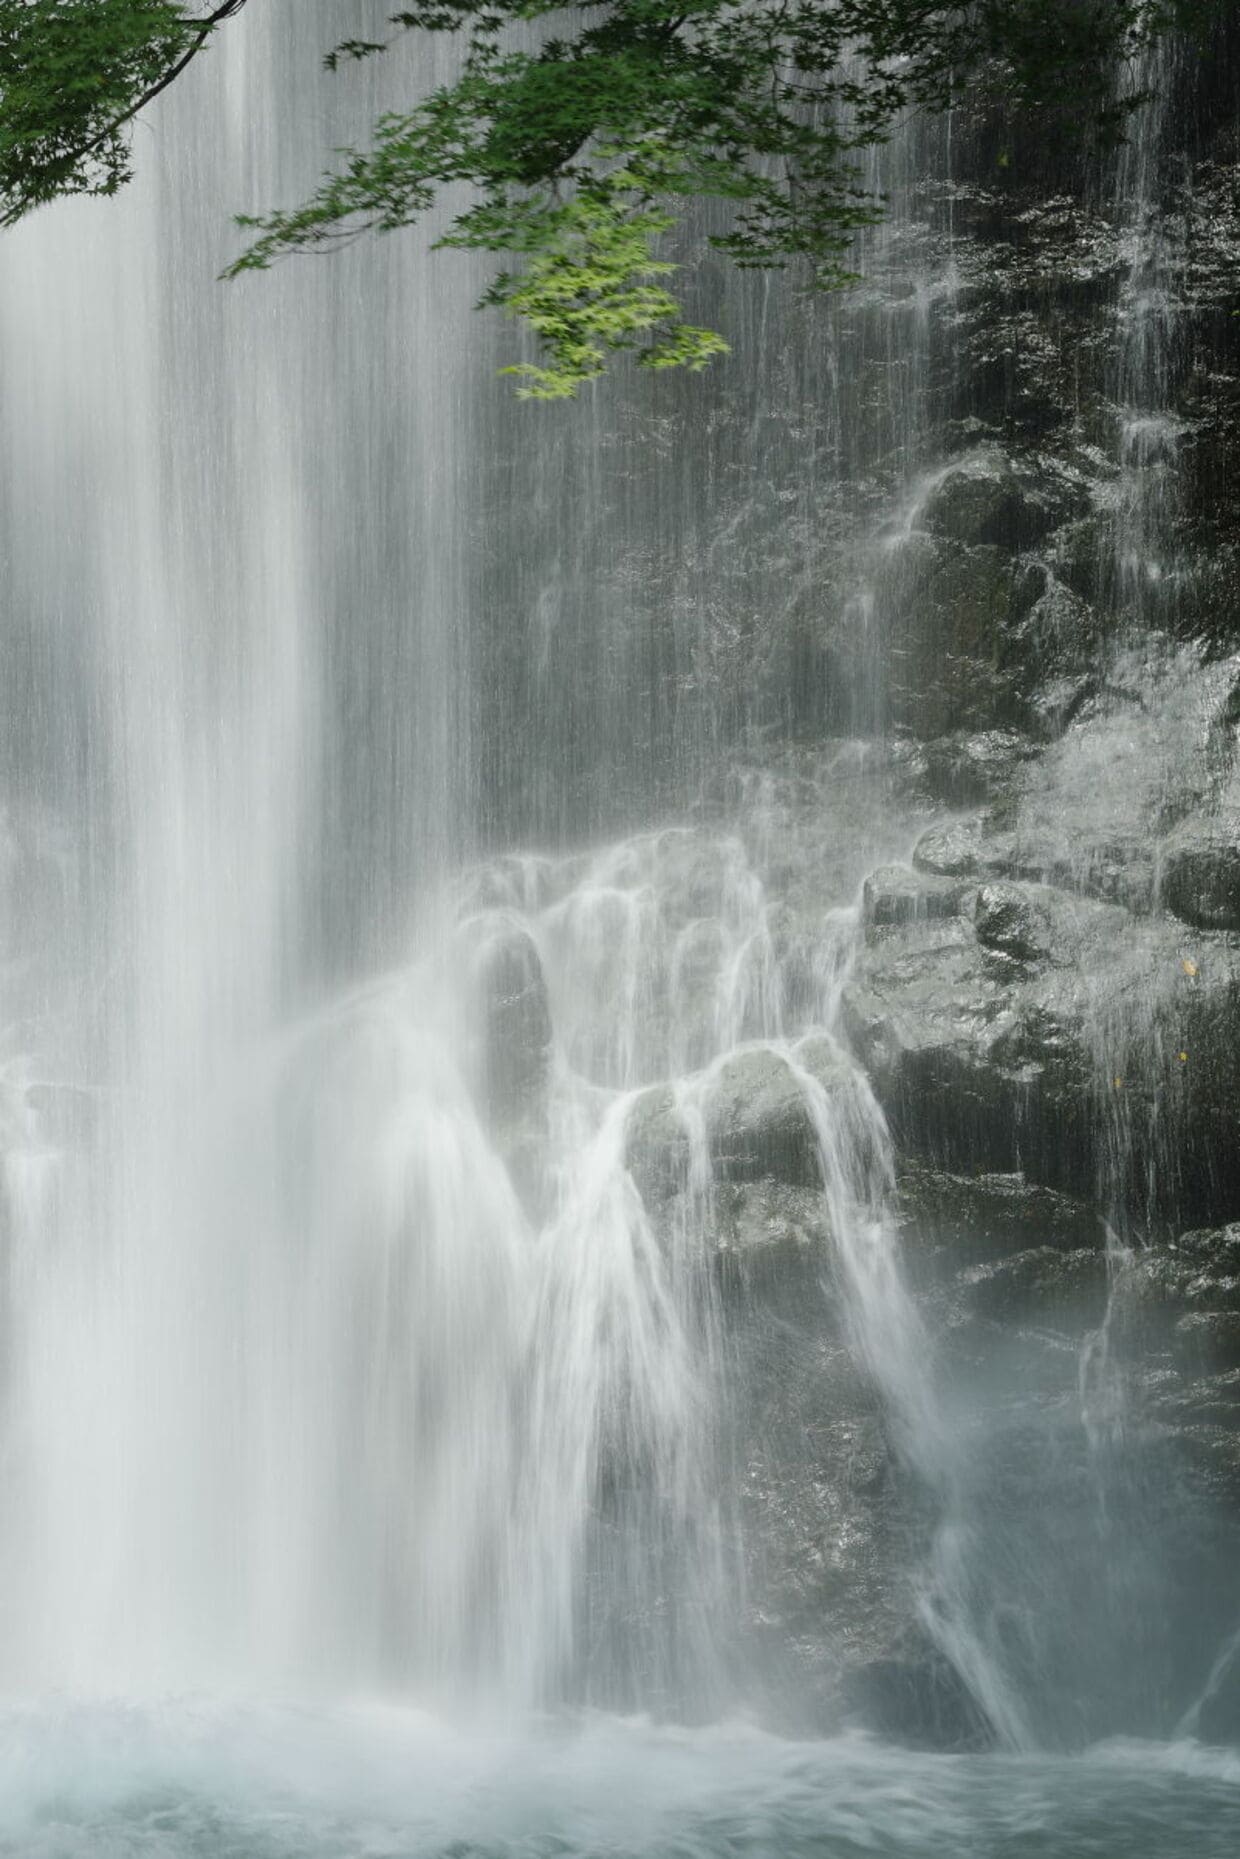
x: 73, y: 74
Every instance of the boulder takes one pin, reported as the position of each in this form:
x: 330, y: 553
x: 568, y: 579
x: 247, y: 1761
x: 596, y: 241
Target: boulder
x: 899, y: 894
x: 986, y: 499
x: 758, y: 1122
x: 1062, y: 644
x: 1138, y: 767
x: 656, y: 1144
x: 770, y: 1237
x: 953, y: 851
x: 1081, y: 556
x: 1200, y: 878
x: 1010, y: 921
x: 754, y: 1115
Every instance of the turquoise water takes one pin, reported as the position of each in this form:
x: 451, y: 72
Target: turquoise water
x: 197, y: 1781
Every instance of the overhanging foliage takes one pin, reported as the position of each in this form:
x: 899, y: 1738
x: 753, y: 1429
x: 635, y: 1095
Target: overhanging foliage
x: 582, y: 132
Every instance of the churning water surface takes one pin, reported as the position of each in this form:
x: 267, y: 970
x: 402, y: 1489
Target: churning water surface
x: 197, y: 1781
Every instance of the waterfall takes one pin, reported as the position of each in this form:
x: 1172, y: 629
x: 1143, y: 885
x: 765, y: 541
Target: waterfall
x: 232, y: 667
x: 443, y: 1202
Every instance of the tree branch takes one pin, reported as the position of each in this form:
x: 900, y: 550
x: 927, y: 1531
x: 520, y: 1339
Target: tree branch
x: 226, y: 10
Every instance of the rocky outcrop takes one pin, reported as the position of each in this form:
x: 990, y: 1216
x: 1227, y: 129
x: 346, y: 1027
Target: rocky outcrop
x: 985, y: 677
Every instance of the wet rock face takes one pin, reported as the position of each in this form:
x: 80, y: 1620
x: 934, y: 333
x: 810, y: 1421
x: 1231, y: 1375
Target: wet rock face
x: 965, y: 769
x: 977, y: 1064
x: 948, y: 610
x: 983, y: 1006
x: 1010, y: 1025
x: 968, y: 1218
x: 1052, y: 984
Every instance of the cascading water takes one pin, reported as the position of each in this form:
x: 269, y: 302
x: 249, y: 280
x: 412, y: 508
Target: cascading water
x: 339, y: 1403
x: 180, y: 585
x: 456, y: 1292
